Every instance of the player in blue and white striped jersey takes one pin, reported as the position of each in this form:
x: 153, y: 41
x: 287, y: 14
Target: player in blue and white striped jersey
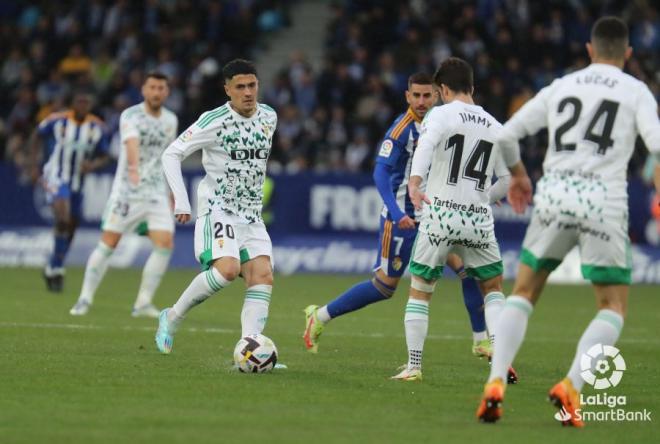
x: 75, y: 143
x: 398, y: 227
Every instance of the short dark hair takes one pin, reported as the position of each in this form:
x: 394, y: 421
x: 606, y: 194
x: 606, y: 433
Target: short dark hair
x: 419, y: 78
x: 456, y: 74
x: 237, y: 67
x: 609, y: 37
x: 156, y: 75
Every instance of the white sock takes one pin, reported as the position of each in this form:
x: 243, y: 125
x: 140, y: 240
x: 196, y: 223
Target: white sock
x: 479, y: 336
x: 493, y: 305
x: 97, y: 265
x: 416, y: 322
x: 604, y: 329
x: 510, y: 332
x: 153, y: 272
x: 202, y: 287
x: 255, y: 309
x: 323, y: 315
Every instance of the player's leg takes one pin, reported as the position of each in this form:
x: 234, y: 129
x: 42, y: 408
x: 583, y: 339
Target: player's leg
x: 474, y: 304
x: 160, y: 229
x: 61, y: 206
x: 546, y: 243
x: 258, y: 275
x: 154, y: 269
x: 217, y: 250
x: 606, y: 262
x: 426, y: 266
x: 97, y: 265
x: 256, y: 253
x: 393, y: 256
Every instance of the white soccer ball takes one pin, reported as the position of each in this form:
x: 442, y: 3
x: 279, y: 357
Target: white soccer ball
x: 255, y: 354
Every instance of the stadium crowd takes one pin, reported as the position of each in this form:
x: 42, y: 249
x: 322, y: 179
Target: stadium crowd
x: 330, y: 119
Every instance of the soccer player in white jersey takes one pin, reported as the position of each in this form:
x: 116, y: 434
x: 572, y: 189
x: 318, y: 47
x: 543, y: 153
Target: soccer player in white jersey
x: 139, y: 199
x: 456, y: 156
x: 593, y: 117
x: 76, y: 143
x: 230, y: 236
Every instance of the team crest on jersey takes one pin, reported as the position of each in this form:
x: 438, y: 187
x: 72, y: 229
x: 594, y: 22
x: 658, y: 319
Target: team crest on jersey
x: 186, y: 135
x: 397, y: 263
x: 386, y: 148
x: 267, y: 129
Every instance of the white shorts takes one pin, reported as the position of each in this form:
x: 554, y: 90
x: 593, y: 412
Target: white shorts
x: 125, y: 215
x: 218, y: 234
x: 481, y: 258
x: 604, y: 246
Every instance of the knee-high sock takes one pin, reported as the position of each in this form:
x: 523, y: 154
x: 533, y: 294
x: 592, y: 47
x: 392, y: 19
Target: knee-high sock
x: 416, y: 322
x: 97, y: 265
x: 202, y: 287
x: 474, y: 304
x: 62, y: 244
x: 604, y: 329
x: 355, y: 298
x: 153, y: 272
x: 255, y: 309
x: 493, y: 305
x: 510, y: 332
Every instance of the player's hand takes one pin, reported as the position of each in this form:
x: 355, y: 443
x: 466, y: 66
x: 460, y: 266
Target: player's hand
x: 418, y: 197
x: 182, y: 218
x: 133, y: 177
x: 406, y: 223
x: 520, y: 193
x: 86, y: 166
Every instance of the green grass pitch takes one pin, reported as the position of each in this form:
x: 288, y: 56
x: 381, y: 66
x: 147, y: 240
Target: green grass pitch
x: 100, y: 379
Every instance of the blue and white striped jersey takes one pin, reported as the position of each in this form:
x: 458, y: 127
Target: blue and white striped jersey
x: 396, y: 150
x: 68, y: 143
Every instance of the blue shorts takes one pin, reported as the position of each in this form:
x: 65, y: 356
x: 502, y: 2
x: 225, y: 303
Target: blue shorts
x: 394, y: 248
x: 63, y: 191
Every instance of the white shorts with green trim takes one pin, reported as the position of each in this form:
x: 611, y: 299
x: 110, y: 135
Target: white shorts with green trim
x: 482, y: 259
x: 604, y: 246
x: 218, y: 234
x: 125, y: 215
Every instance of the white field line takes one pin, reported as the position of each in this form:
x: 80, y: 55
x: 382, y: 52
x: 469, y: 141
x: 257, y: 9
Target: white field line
x: 236, y: 331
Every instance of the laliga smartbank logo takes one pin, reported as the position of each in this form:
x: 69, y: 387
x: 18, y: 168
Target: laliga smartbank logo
x: 602, y: 367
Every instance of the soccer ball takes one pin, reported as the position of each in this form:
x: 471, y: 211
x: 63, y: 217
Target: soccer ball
x: 255, y: 354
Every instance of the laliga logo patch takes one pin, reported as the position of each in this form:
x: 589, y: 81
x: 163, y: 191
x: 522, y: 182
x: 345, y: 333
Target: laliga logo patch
x: 602, y: 366
x: 186, y: 135
x: 397, y: 263
x: 386, y: 148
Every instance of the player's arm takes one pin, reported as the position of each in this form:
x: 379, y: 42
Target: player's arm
x: 129, y: 137
x: 35, y: 148
x: 430, y: 136
x: 388, y: 155
x: 498, y: 190
x: 101, y: 156
x: 656, y: 178
x: 648, y: 125
x: 528, y: 120
x: 193, y: 139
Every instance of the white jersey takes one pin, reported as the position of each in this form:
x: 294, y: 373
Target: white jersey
x: 154, y: 134
x: 457, y: 140
x: 593, y: 117
x: 235, y: 153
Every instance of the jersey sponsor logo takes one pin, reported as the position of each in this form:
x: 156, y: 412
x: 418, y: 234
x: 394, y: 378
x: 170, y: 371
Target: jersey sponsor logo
x: 246, y: 154
x: 386, y: 148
